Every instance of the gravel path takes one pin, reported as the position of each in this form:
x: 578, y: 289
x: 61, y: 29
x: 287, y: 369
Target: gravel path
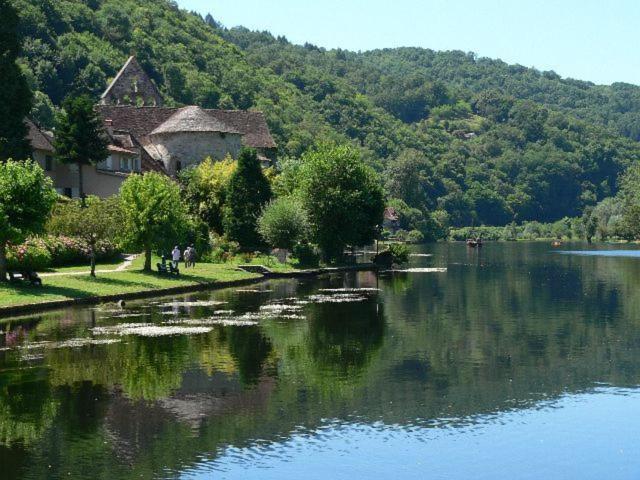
x: 123, y: 266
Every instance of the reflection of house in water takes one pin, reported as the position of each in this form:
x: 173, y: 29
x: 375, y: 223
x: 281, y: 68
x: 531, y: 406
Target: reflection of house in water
x: 133, y: 426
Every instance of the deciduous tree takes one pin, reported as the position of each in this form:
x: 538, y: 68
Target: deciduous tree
x: 26, y: 198
x: 153, y: 214
x: 100, y: 220
x: 343, y: 196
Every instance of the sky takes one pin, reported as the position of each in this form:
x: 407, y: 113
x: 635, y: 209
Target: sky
x: 595, y: 40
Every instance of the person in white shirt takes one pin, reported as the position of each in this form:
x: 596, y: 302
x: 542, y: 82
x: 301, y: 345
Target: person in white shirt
x: 175, y: 256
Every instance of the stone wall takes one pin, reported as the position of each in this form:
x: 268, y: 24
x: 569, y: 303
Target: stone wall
x: 191, y: 148
x: 65, y: 177
x: 132, y: 87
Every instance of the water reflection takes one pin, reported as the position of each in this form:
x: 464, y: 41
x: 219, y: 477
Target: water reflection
x: 503, y: 332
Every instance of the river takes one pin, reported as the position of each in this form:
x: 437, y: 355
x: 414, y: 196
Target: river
x: 513, y: 361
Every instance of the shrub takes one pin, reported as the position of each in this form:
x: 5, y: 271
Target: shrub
x: 222, y: 250
x: 415, y: 236
x: 401, y: 235
x: 399, y: 253
x: 31, y: 255
x: 64, y: 251
x: 306, y: 255
x: 67, y: 251
x: 283, y: 223
x: 394, y: 254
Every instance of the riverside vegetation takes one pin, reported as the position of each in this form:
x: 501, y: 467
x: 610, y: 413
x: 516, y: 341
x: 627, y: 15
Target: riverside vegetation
x: 404, y: 128
x: 459, y: 140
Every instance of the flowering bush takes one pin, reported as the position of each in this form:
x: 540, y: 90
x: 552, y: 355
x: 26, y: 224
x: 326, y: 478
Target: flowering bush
x: 28, y: 256
x: 222, y: 250
x: 58, y: 251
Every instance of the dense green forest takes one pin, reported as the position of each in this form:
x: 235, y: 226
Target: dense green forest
x: 458, y: 140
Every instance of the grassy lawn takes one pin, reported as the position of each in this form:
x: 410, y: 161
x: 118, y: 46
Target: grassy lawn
x: 132, y: 280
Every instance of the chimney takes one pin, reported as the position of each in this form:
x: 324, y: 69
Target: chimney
x: 108, y: 123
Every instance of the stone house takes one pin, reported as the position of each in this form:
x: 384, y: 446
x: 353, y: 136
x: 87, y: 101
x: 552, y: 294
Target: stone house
x: 102, y: 180
x: 146, y: 136
x: 178, y: 137
x: 175, y: 138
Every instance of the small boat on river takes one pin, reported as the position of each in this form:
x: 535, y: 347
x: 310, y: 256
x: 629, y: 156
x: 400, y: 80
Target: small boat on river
x: 556, y: 243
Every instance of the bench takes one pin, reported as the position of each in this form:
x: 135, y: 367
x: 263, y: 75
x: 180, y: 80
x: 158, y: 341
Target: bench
x: 25, y: 276
x: 167, y: 269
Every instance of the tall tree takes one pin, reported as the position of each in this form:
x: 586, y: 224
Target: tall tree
x: 15, y: 95
x: 26, y: 198
x: 248, y: 191
x: 80, y: 137
x: 343, y: 196
x: 204, y: 189
x: 153, y: 214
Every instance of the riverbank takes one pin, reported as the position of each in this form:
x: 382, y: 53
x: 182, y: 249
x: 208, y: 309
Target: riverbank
x: 68, y: 290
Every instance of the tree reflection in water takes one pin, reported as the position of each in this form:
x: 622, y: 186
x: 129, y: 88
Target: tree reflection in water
x: 502, y: 329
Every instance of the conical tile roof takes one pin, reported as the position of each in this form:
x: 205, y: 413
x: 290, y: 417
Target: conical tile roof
x: 193, y: 119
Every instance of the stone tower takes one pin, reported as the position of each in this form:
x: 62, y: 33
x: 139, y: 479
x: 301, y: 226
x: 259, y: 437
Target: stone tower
x: 132, y: 86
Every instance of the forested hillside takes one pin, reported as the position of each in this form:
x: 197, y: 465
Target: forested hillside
x: 462, y: 139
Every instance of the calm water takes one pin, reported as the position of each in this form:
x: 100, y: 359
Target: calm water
x: 517, y: 362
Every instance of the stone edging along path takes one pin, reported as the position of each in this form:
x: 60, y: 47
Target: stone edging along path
x: 55, y: 304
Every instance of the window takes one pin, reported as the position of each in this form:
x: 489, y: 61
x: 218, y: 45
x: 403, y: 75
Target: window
x: 126, y: 164
x: 138, y: 165
x: 68, y: 192
x: 48, y: 163
x: 106, y: 164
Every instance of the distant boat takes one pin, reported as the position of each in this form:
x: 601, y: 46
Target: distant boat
x: 474, y: 242
x: 556, y: 243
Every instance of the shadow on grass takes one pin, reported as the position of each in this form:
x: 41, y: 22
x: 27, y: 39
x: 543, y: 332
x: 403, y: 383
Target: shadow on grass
x: 111, y: 286
x: 83, y: 286
x: 84, y: 266
x: 185, y: 277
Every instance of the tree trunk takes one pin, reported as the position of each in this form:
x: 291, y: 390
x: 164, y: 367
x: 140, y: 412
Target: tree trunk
x: 93, y: 260
x: 147, y: 258
x: 81, y: 185
x: 3, y: 262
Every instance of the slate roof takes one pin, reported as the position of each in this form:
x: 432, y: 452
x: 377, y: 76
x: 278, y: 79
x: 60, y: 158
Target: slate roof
x: 142, y: 121
x: 38, y: 139
x: 192, y: 119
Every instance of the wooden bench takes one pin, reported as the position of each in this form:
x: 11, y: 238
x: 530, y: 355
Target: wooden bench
x: 167, y: 269
x: 25, y: 276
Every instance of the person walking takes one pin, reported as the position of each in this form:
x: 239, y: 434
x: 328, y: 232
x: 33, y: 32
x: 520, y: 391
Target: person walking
x: 187, y: 257
x: 192, y: 258
x: 175, y: 256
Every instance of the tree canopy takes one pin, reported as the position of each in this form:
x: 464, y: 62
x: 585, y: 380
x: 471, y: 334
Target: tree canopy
x: 97, y: 221
x: 343, y: 197
x: 154, y: 216
x: 502, y: 142
x: 248, y: 191
x: 26, y: 198
x: 283, y: 223
x: 15, y: 94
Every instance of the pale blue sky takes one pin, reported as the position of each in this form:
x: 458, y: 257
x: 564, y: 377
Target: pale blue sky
x: 595, y: 40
